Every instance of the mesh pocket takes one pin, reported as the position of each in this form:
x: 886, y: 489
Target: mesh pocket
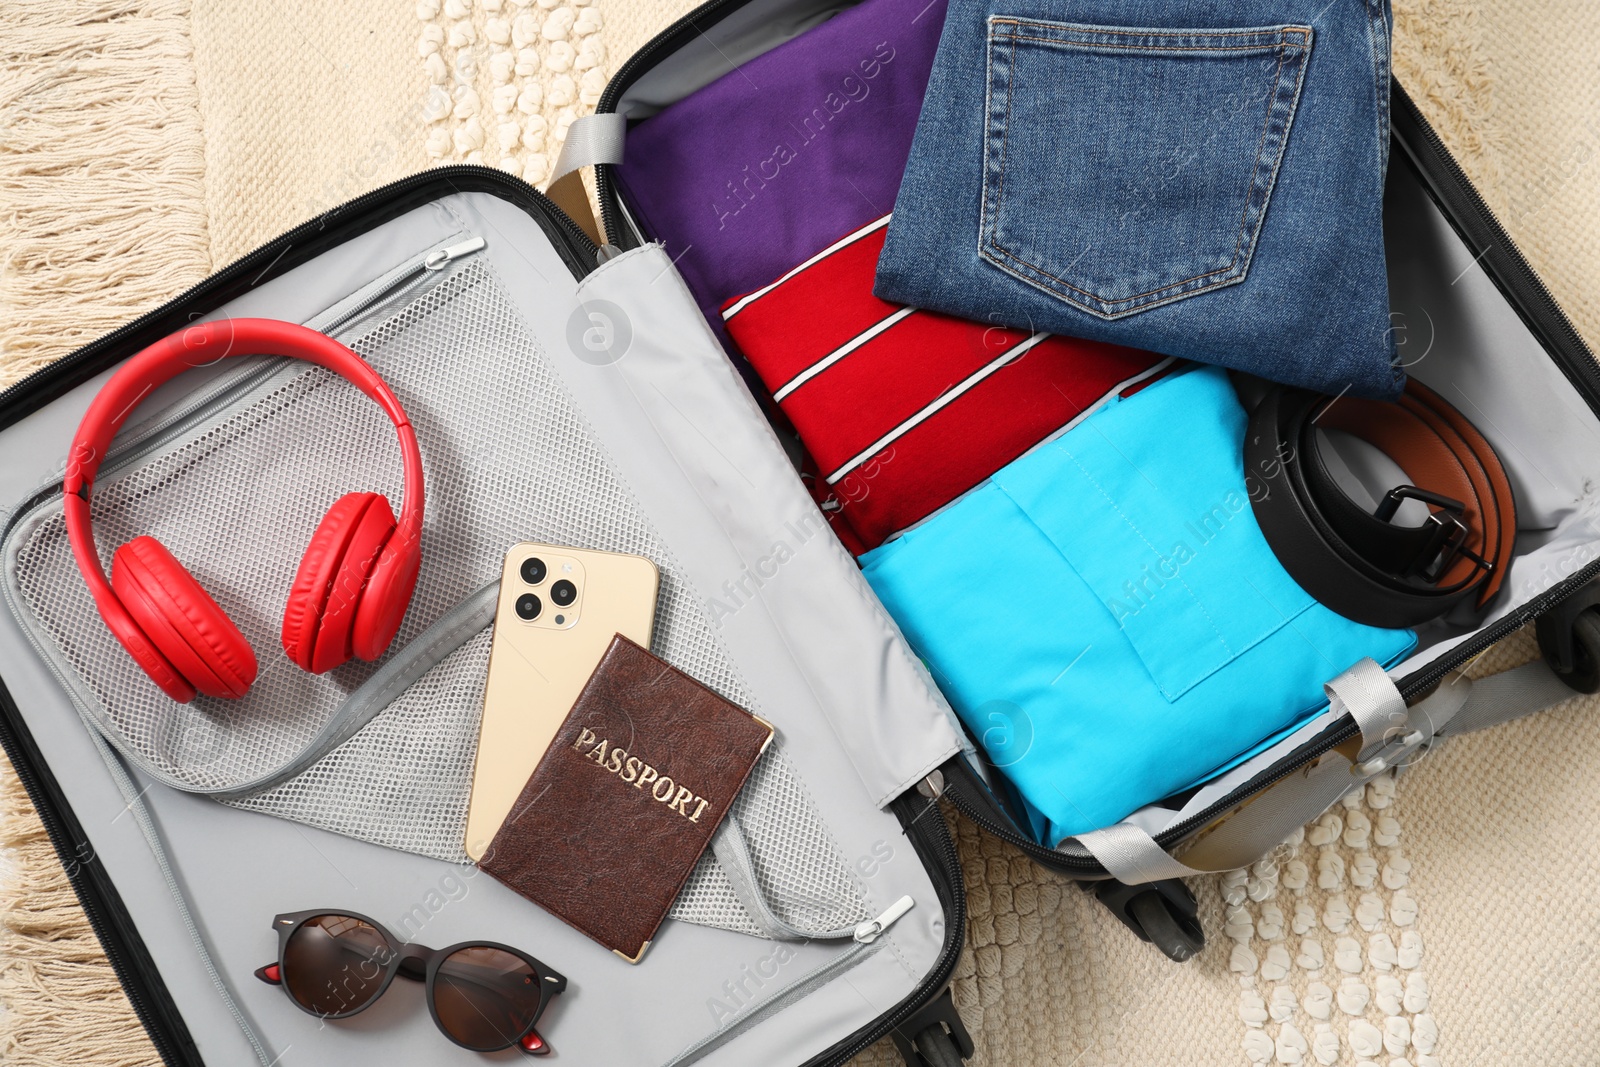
x: 798, y: 867
x: 508, y: 457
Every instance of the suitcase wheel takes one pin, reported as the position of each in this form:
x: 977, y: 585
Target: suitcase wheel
x: 934, y: 1036
x: 1163, y: 913
x: 1569, y: 637
x: 1177, y: 936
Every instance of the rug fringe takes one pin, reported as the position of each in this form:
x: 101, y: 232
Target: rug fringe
x: 102, y: 182
x: 1440, y: 58
x: 102, y: 172
x: 61, y: 999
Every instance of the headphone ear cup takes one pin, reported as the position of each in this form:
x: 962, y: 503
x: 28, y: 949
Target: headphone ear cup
x: 331, y: 582
x: 389, y: 589
x: 149, y: 658
x: 181, y: 621
x: 351, y: 587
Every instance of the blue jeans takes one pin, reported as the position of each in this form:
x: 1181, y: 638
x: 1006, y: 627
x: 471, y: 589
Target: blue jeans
x: 1201, y: 178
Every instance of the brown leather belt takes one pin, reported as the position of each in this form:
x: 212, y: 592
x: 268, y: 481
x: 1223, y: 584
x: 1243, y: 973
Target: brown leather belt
x: 1359, y: 562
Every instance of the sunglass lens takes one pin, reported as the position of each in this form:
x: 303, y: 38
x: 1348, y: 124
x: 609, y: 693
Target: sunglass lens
x: 486, y: 998
x: 335, y: 964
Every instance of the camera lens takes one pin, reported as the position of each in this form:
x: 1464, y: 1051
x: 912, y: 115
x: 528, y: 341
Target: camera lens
x: 563, y: 592
x: 528, y: 607
x: 533, y: 570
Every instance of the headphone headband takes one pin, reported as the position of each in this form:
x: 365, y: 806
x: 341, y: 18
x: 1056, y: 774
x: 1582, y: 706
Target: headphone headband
x: 199, y: 346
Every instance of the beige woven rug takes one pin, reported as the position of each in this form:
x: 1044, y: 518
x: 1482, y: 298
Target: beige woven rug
x: 145, y: 143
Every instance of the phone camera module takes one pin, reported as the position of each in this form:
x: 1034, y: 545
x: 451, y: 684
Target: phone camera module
x: 533, y: 571
x: 563, y: 592
x: 528, y: 606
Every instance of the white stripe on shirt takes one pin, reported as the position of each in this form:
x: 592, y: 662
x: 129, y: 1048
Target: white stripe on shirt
x: 843, y: 242
x: 839, y: 353
x: 972, y: 380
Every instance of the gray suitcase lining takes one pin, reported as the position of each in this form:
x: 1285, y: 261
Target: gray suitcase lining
x: 508, y: 458
x: 267, y: 462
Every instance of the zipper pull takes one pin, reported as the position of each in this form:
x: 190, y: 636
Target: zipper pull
x: 440, y: 256
x: 868, y: 932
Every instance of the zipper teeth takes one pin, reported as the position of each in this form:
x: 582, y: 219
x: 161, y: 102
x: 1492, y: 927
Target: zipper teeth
x: 797, y: 990
x: 576, y: 249
x: 1587, y: 373
x: 407, y: 278
x: 401, y: 281
x: 1521, y: 282
x: 401, y: 286
x: 955, y: 936
x: 1526, y: 292
x: 158, y: 432
x: 621, y: 81
x: 1412, y: 685
x: 105, y: 932
x: 956, y: 918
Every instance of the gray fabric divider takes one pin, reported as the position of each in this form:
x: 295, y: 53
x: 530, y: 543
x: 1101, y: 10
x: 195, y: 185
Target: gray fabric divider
x: 235, y: 869
x: 400, y: 779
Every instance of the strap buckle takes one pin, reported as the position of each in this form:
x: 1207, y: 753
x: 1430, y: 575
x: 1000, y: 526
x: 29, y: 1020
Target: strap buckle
x: 1447, y: 537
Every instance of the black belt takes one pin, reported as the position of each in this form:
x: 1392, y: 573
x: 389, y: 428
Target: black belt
x: 1358, y: 562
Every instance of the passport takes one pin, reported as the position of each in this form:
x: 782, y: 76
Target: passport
x: 626, y: 798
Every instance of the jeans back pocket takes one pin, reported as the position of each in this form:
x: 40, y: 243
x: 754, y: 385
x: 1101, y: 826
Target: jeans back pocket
x: 1127, y: 168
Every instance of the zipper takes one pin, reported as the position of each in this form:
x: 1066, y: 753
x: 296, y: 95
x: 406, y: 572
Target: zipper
x: 969, y: 795
x: 1511, y: 273
x: 925, y: 828
x: 387, y: 288
x: 1463, y: 206
x: 868, y: 932
x: 863, y: 944
x: 136, y: 972
x: 930, y: 836
x: 673, y: 37
x: 281, y: 254
x: 394, y: 285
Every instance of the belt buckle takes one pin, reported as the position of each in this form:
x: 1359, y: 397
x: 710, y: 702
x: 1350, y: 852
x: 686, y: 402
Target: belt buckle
x: 1448, y: 537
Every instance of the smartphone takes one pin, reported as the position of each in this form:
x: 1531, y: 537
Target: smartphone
x: 558, y: 612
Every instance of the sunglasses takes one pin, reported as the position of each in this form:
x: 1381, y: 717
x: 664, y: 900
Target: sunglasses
x: 482, y: 995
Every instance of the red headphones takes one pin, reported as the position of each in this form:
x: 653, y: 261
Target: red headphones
x: 354, y: 582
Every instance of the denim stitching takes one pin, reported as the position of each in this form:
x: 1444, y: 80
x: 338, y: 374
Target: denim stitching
x: 1261, y: 148
x: 1249, y: 199
x: 1278, y: 47
x: 1265, y: 33
x: 1300, y: 45
x: 1005, y: 133
x: 1005, y: 140
x: 1119, y: 300
x: 988, y: 124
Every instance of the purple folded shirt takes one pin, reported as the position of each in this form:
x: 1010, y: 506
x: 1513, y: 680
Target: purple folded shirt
x: 771, y: 163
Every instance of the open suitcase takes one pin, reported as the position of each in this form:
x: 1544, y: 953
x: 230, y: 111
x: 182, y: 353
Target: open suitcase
x: 573, y: 394
x: 471, y: 293
x: 1472, y: 320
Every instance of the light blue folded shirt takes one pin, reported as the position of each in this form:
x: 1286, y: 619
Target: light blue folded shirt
x: 1106, y: 617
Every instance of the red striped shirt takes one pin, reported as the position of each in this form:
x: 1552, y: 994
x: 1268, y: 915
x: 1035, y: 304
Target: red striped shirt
x: 902, y: 409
